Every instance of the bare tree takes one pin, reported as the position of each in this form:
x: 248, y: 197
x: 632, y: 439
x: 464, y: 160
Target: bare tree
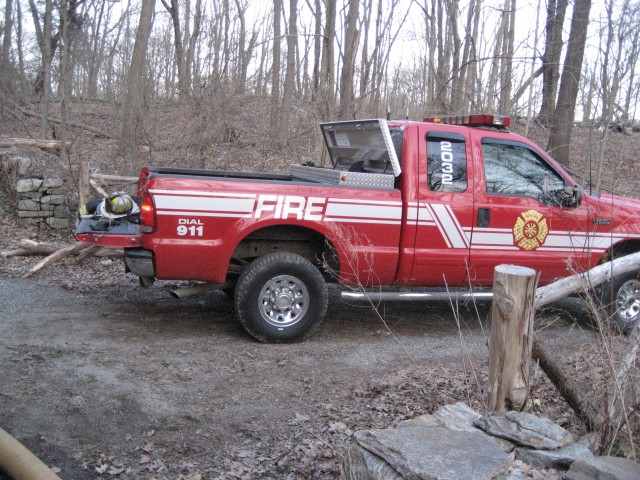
x: 287, y: 91
x: 556, y: 10
x: 507, y: 60
x: 275, y: 69
x: 245, y: 49
x: 132, y: 127
x: 327, y: 72
x: 346, y: 109
x: 6, y: 38
x: 563, y: 117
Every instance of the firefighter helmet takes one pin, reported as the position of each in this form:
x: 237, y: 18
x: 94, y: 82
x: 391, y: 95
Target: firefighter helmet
x: 117, y: 205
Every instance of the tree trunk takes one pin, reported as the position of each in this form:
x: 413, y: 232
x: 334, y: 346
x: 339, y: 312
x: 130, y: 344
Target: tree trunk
x: 563, y: 117
x: 47, y: 54
x: 507, y: 55
x: 287, y: 91
x: 327, y: 68
x: 132, y: 128
x: 317, y: 49
x: 495, y: 61
x: 6, y: 39
x: 174, y: 11
x: 191, y: 63
x: 347, y: 106
x: 456, y: 73
x: 275, y: 69
x: 556, y: 10
x: 64, y: 88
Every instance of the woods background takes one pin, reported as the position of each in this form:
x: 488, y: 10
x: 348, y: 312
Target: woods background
x: 239, y: 83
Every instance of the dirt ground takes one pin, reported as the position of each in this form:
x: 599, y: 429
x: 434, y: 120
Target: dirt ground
x: 104, y: 379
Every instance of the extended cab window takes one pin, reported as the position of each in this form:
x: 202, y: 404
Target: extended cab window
x: 446, y: 162
x: 512, y: 169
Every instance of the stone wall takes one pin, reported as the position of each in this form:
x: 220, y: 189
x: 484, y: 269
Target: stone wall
x: 42, y: 201
x: 34, y: 184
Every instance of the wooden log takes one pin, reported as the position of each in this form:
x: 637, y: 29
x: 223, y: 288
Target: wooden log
x: 98, y: 188
x: 18, y: 252
x: 584, y: 281
x: 84, y: 190
x: 576, y: 399
x: 114, y: 178
x: 88, y: 252
x: 616, y: 414
x: 49, y: 145
x: 54, y: 257
x: 30, y: 247
x: 511, y: 336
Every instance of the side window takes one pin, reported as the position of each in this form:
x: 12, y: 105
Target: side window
x: 446, y: 163
x: 517, y: 171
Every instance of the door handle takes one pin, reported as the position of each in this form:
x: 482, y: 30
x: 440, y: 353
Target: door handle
x: 484, y: 217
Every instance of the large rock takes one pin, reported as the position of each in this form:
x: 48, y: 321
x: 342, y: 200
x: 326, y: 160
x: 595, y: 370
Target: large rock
x: 61, y: 211
x: 561, y: 458
x: 54, y: 199
x: 28, y: 185
x: 361, y: 464
x: 604, y: 468
x: 57, y: 223
x: 27, y: 204
x: 458, y: 416
x: 52, y: 182
x: 526, y: 429
x: 426, y: 453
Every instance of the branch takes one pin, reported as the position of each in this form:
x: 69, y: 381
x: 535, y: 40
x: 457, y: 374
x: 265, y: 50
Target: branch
x: 583, y: 281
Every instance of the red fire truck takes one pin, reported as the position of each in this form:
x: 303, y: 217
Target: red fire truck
x: 407, y: 204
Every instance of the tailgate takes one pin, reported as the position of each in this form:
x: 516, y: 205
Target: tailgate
x: 118, y: 234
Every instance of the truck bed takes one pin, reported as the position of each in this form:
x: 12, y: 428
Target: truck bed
x: 365, y: 177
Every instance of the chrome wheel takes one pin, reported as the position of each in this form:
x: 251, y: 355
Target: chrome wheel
x: 628, y: 301
x: 283, y: 301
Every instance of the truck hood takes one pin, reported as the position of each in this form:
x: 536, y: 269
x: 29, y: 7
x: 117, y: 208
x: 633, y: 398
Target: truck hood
x: 631, y: 205
x: 621, y: 212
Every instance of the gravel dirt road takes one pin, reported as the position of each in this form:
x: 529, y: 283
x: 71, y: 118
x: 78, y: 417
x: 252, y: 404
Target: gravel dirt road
x: 103, y: 379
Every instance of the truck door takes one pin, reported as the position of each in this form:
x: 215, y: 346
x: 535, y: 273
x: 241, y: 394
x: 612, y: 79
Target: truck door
x: 443, y: 210
x: 525, y: 214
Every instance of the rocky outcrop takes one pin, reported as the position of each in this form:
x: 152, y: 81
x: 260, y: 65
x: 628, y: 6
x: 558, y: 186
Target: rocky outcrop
x: 458, y: 442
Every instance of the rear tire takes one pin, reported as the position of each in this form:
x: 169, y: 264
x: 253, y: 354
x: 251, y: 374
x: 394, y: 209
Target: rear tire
x: 621, y: 298
x: 281, y: 297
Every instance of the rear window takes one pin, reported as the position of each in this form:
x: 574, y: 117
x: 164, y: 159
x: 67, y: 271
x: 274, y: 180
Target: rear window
x: 446, y: 163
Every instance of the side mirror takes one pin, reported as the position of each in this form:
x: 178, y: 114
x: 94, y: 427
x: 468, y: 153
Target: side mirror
x: 569, y: 196
x: 577, y: 195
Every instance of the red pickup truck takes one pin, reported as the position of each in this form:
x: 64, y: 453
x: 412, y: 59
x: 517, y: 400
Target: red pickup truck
x: 410, y: 204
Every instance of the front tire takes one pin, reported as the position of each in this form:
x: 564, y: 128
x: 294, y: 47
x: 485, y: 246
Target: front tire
x: 621, y: 297
x: 281, y: 297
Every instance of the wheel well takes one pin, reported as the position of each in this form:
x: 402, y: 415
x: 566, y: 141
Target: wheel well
x: 302, y: 241
x: 621, y: 249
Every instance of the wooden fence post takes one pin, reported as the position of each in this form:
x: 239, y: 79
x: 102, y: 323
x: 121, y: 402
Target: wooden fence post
x: 511, y: 337
x: 83, y: 187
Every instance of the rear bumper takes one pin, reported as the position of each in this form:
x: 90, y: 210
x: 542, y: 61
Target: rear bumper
x: 139, y: 262
x: 121, y: 234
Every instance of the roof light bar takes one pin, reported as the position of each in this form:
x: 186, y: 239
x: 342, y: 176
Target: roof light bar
x: 478, y: 120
